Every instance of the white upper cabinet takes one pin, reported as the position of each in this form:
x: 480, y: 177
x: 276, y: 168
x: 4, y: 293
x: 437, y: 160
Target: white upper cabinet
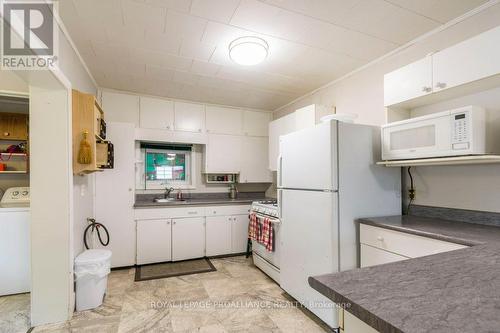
x: 472, y: 64
x: 278, y: 127
x: 223, y: 154
x: 408, y: 82
x: 189, y: 117
x: 254, y: 160
x: 468, y: 61
x: 156, y: 113
x: 121, y: 108
x: 221, y: 120
x: 256, y: 123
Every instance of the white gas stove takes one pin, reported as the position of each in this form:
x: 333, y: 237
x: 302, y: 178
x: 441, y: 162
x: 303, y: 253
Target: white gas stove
x: 268, y: 262
x: 266, y: 207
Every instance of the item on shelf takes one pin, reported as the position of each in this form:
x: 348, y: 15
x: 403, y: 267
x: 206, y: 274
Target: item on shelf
x: 2, y: 167
x: 16, y: 149
x: 102, y: 129
x: 85, y: 151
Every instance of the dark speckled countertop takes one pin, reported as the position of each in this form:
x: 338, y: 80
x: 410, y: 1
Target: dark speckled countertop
x: 457, y: 291
x: 198, y: 199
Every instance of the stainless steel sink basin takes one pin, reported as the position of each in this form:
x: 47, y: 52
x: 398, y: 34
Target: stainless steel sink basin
x: 163, y: 200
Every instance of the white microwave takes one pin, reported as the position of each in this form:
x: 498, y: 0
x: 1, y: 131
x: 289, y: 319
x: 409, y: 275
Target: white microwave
x: 455, y: 132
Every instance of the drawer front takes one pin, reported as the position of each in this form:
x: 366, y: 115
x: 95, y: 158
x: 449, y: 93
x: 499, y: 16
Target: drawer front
x: 371, y: 256
x: 227, y: 210
x: 404, y: 244
x: 163, y: 213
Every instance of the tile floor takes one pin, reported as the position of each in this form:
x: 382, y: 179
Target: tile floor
x: 237, y: 297
x: 15, y: 313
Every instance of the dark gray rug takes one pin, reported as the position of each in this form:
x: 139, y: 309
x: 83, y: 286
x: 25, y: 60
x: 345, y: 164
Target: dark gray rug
x: 171, y: 269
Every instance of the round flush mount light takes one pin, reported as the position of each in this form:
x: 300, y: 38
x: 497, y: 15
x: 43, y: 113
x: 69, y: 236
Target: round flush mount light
x: 248, y: 50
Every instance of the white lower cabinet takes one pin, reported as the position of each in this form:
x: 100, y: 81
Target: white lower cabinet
x: 218, y: 236
x: 351, y: 324
x: 154, y: 241
x: 188, y: 238
x: 239, y: 233
x: 371, y: 256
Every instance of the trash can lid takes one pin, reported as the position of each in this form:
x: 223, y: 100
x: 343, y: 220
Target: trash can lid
x: 92, y: 256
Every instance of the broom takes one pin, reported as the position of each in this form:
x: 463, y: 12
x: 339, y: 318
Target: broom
x: 85, y: 151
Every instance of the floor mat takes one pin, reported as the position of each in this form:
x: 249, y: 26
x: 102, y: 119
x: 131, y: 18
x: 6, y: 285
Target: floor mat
x: 171, y: 269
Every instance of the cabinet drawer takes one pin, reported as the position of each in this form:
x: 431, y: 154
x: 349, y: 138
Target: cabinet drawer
x: 227, y: 210
x: 164, y: 213
x: 372, y: 256
x: 404, y: 244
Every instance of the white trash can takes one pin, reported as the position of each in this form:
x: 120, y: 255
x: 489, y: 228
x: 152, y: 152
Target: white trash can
x: 91, y: 274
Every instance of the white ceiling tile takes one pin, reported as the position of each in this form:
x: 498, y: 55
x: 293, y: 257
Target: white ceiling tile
x: 215, y: 10
x: 196, y: 50
x: 204, y: 68
x: 159, y: 73
x: 161, y: 42
x: 439, y: 10
x: 160, y: 60
x: 131, y: 68
x: 130, y: 36
x: 386, y: 21
x: 185, y: 26
x: 110, y: 50
x: 180, y: 5
x: 186, y: 78
x: 100, y: 12
x: 143, y: 16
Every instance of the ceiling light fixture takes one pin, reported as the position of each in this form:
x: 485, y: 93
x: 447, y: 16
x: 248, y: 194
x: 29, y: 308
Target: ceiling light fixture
x: 248, y: 50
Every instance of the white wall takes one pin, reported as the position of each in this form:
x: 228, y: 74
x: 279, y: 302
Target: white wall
x: 469, y: 187
x: 124, y: 107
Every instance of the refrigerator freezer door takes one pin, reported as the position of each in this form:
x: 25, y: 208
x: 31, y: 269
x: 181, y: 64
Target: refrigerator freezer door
x: 309, y: 236
x: 309, y: 158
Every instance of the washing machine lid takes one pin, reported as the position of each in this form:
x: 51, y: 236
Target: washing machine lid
x: 92, y: 256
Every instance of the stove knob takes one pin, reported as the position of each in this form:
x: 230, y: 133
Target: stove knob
x: 15, y: 193
x: 25, y: 193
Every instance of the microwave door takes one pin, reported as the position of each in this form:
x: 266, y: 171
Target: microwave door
x: 423, y: 139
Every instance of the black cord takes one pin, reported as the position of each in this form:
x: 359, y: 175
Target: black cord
x: 411, y: 192
x: 95, y: 226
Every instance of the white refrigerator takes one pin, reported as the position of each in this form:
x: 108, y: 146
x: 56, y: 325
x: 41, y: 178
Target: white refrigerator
x: 327, y: 178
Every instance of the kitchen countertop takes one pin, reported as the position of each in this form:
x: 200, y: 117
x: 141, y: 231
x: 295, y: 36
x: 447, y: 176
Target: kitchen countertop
x: 457, y: 291
x: 193, y: 202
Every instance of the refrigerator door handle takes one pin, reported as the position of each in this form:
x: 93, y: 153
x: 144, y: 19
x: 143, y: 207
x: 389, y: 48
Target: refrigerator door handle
x: 280, y: 202
x: 279, y: 171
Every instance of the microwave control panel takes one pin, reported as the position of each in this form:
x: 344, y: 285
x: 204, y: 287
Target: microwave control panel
x: 460, y: 130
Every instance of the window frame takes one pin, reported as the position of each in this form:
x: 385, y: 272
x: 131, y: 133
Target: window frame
x: 190, y: 181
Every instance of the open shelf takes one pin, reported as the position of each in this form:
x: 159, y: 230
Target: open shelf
x: 457, y: 160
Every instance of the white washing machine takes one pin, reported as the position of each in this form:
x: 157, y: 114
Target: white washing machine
x: 15, y: 242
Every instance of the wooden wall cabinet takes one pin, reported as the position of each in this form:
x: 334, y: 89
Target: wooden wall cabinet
x: 87, y: 115
x: 14, y: 126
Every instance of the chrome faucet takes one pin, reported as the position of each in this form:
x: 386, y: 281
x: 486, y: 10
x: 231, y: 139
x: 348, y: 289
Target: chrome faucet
x: 167, y: 192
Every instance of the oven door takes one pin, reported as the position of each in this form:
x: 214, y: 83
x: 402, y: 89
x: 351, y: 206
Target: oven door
x: 430, y: 137
x: 273, y: 257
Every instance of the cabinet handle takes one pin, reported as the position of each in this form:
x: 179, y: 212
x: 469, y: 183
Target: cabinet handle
x: 426, y: 89
x: 168, y: 127
x: 174, y: 222
x: 168, y: 223
x: 380, y: 238
x: 441, y: 85
x: 6, y: 134
x: 199, y: 129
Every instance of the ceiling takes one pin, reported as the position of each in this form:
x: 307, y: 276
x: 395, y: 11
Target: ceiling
x: 179, y: 48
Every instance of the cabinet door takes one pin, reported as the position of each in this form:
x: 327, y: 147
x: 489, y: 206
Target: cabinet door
x: 189, y: 117
x: 156, y: 113
x: 239, y: 233
x: 222, y: 154
x: 13, y: 126
x: 278, y: 127
x: 254, y: 160
x: 224, y: 120
x: 114, y: 195
x: 408, y: 82
x: 218, y: 235
x: 371, y: 256
x: 154, y: 241
x: 188, y: 238
x: 121, y: 107
x: 353, y: 324
x: 468, y: 61
x: 256, y: 123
